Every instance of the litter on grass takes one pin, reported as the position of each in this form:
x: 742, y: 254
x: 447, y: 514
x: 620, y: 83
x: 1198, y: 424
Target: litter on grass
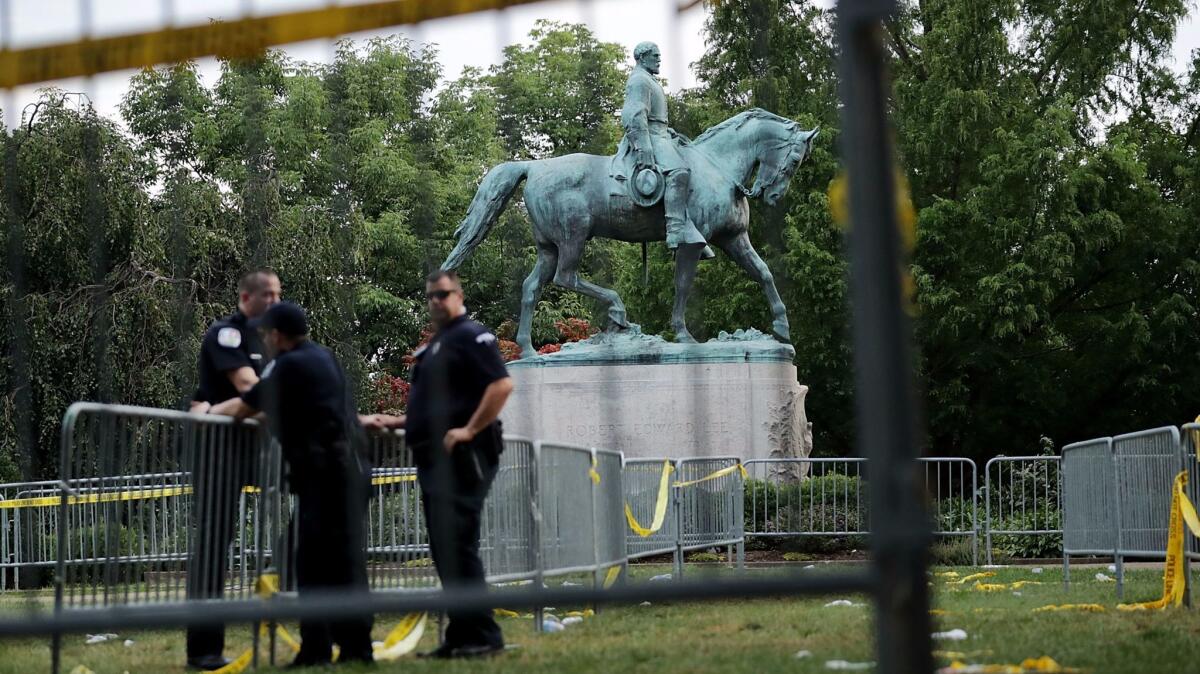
x: 1105, y: 579
x: 849, y: 666
x: 841, y: 602
x: 951, y: 635
x: 99, y: 638
x: 800, y: 655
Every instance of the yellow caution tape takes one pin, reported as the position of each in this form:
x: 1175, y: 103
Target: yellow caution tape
x: 974, y: 576
x: 1089, y: 608
x: 1174, y: 585
x: 586, y: 613
x: 997, y: 587
x: 592, y: 472
x: 717, y: 474
x: 403, y: 639
x: 1044, y: 664
x: 242, y: 38
x: 144, y: 494
x: 660, y: 505
x: 110, y: 497
x: 239, y: 664
x: 611, y: 576
x: 505, y: 613
x: 947, y: 574
x: 940, y: 611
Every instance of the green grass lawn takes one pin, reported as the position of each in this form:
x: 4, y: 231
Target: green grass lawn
x: 760, y: 635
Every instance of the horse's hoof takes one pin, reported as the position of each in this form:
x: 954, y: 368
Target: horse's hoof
x: 782, y: 331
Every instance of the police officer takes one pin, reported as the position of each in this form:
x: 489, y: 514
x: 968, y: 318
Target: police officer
x: 232, y: 357
x: 459, y: 385
x: 310, y: 410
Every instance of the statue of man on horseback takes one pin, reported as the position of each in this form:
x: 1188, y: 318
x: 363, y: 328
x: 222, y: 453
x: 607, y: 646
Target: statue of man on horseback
x: 659, y: 186
x: 658, y: 166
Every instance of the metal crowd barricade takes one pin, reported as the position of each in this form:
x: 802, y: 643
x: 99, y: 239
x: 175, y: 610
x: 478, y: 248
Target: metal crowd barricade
x: 1022, y: 496
x: 1190, y: 447
x: 129, y: 523
x: 651, y: 505
x: 832, y: 499
x: 397, y: 544
x: 709, y: 507
x: 27, y: 531
x: 509, y: 541
x: 566, y: 506
x: 609, y: 497
x: 1145, y: 464
x: 1089, y: 501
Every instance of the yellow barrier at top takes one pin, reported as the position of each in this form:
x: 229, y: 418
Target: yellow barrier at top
x: 660, y: 505
x: 142, y: 494
x: 716, y: 474
x: 240, y: 38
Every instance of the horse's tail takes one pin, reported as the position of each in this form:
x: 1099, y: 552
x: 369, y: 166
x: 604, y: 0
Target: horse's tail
x: 490, y: 199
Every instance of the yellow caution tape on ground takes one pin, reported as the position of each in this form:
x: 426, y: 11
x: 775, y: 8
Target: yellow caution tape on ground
x: 660, y: 505
x: 611, y: 576
x: 586, y: 613
x: 240, y: 664
x: 1042, y: 665
x: 403, y: 639
x: 505, y: 613
x: 940, y: 611
x: 242, y: 38
x: 717, y: 474
x: 947, y: 574
x: 975, y: 576
x: 1174, y: 585
x: 997, y: 587
x: 1089, y: 608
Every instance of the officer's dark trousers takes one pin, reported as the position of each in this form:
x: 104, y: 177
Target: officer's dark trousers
x: 219, y: 471
x: 453, y: 498
x: 331, y: 557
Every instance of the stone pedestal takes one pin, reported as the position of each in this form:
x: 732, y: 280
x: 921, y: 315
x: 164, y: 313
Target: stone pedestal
x: 733, y: 396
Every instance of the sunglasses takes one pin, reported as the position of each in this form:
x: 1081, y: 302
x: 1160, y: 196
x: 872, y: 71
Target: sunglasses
x: 438, y: 294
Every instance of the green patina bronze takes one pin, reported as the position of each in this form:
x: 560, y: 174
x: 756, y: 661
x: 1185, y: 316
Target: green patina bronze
x: 701, y: 199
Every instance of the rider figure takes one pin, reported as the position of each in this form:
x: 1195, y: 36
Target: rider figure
x: 644, y: 119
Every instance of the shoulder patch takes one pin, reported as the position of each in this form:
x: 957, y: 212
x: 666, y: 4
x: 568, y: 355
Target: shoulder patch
x: 485, y: 338
x: 230, y: 338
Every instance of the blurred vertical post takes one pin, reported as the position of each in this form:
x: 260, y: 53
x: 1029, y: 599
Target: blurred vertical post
x: 886, y: 409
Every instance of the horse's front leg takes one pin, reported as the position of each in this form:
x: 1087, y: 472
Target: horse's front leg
x: 686, y: 258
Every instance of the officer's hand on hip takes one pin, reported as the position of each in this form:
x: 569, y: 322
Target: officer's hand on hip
x: 455, y: 436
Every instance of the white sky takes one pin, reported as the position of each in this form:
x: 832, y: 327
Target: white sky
x: 463, y: 41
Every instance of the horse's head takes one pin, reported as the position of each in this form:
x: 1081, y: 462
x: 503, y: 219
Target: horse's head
x: 785, y: 147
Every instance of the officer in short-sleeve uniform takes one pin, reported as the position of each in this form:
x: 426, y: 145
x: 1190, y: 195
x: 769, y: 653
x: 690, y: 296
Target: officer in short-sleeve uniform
x: 449, y: 378
x: 310, y: 411
x: 219, y: 472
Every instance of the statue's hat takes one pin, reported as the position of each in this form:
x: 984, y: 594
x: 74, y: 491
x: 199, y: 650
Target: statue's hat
x: 647, y: 186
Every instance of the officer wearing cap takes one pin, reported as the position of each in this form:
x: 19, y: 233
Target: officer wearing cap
x: 310, y: 410
x: 459, y: 386
x: 231, y: 359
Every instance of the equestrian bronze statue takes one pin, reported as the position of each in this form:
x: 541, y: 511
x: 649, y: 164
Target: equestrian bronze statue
x: 659, y: 186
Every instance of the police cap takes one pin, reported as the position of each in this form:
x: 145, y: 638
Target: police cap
x: 285, y: 317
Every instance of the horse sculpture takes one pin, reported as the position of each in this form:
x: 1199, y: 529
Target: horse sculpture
x: 573, y: 198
